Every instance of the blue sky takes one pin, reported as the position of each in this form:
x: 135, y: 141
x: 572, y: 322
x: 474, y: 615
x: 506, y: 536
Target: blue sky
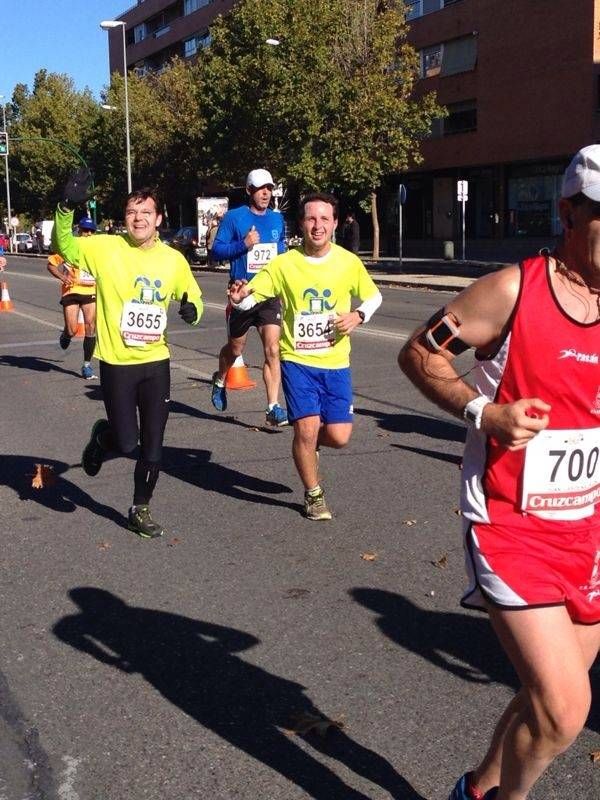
x: 57, y: 35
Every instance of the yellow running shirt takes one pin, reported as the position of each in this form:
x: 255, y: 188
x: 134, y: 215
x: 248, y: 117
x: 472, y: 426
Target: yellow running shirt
x: 313, y: 291
x: 134, y: 286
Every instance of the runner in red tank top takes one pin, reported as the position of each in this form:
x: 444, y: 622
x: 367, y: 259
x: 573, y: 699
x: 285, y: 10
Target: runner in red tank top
x: 531, y: 477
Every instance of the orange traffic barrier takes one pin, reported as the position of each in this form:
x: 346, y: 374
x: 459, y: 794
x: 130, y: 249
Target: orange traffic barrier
x: 6, y: 304
x: 237, y: 376
x: 80, y: 332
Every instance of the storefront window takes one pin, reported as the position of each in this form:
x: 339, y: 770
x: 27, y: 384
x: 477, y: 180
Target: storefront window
x: 533, y: 203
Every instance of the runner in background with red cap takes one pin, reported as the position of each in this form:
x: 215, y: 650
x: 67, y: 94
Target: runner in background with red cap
x: 78, y: 293
x: 531, y: 477
x: 249, y: 237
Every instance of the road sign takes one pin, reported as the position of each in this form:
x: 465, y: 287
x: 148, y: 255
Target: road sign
x: 92, y: 203
x: 3, y: 143
x: 462, y: 190
x: 402, y: 194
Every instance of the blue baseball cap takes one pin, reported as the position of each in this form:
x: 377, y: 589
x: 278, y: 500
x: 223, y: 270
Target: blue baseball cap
x: 86, y: 224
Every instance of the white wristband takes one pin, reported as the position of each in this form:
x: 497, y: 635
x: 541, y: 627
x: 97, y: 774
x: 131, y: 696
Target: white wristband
x: 473, y: 411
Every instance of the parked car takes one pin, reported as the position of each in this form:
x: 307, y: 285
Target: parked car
x: 186, y: 241
x: 23, y: 242
x: 166, y: 234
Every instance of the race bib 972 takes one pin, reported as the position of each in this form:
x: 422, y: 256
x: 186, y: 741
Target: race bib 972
x: 260, y: 255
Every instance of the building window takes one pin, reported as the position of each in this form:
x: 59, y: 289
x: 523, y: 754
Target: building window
x: 139, y: 33
x: 431, y: 60
x: 462, y: 117
x: 189, y: 6
x: 417, y: 8
x: 190, y: 47
x: 460, y: 55
x: 196, y: 43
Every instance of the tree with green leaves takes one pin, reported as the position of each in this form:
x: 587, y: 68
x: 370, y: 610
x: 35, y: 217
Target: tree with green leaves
x: 330, y: 107
x: 50, y: 132
x: 166, y: 126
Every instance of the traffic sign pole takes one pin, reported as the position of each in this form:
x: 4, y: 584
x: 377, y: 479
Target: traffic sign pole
x: 462, y: 195
x: 401, y: 201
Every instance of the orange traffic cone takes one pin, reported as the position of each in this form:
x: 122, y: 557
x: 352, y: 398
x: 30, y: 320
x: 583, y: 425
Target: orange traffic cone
x: 237, y: 376
x: 80, y: 332
x: 6, y: 304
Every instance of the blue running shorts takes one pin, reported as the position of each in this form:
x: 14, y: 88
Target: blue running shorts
x: 310, y: 391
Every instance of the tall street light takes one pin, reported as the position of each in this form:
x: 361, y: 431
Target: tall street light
x: 8, y: 211
x: 107, y: 25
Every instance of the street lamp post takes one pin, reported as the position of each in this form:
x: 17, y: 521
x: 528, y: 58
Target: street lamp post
x: 107, y: 25
x: 8, y: 210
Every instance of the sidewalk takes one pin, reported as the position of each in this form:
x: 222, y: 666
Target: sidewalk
x: 423, y: 273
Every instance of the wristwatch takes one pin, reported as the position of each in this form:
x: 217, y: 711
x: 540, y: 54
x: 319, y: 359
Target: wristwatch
x: 361, y: 314
x: 473, y: 411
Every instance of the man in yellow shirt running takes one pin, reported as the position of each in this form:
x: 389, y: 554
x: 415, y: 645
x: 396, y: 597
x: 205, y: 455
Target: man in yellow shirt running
x: 316, y: 284
x: 137, y: 276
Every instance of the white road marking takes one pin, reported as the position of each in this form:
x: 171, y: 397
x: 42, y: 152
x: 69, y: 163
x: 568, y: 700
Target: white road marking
x: 27, y: 344
x: 197, y: 372
x: 38, y: 319
x: 66, y: 790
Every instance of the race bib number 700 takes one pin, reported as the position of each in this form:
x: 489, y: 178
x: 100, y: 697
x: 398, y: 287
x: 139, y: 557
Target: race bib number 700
x: 561, y: 478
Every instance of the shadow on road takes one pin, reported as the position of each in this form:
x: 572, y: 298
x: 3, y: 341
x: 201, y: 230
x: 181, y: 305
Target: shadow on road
x: 415, y: 423
x: 17, y: 472
x: 194, y: 665
x: 195, y: 467
x: 36, y: 364
x: 462, y: 644
x: 448, y: 457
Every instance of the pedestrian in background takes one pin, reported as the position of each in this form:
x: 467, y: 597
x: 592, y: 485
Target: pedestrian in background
x: 351, y: 233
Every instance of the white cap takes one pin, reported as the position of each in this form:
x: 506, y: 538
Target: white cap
x: 259, y: 178
x: 583, y: 174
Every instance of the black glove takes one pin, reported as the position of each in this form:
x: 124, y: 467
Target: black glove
x: 187, y: 311
x: 78, y: 188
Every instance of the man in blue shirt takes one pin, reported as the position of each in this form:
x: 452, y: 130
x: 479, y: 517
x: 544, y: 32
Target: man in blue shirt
x: 249, y: 237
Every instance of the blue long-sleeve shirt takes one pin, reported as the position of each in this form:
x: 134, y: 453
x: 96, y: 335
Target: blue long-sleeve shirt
x: 229, y: 241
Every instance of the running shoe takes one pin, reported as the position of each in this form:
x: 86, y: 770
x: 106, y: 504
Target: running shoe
x: 218, y: 394
x: 140, y: 521
x: 277, y: 416
x: 87, y: 372
x: 64, y: 340
x: 315, y: 506
x: 465, y: 790
x: 93, y: 453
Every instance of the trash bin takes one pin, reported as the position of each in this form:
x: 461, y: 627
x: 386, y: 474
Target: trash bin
x: 448, y: 251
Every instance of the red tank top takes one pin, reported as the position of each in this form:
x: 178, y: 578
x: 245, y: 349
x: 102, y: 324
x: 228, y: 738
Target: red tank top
x: 550, y: 356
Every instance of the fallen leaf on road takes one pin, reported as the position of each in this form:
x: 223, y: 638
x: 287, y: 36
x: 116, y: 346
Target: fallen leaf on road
x: 43, y: 476
x: 173, y: 542
x: 441, y: 563
x: 309, y: 723
x: 254, y: 429
x: 104, y: 546
x: 595, y: 755
x: 368, y: 556
x: 382, y: 434
x: 293, y: 593
x: 410, y: 522
x: 458, y: 512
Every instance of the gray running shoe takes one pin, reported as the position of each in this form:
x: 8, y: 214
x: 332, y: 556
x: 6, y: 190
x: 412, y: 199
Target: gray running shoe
x: 315, y: 506
x: 218, y: 394
x: 140, y: 521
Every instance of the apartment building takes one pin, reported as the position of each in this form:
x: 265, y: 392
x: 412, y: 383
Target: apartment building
x: 158, y: 30
x: 520, y: 80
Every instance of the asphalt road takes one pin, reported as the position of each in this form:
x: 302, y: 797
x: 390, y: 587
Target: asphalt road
x: 175, y: 668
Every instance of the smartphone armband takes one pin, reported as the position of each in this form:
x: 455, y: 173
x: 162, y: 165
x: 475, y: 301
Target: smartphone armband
x: 442, y: 333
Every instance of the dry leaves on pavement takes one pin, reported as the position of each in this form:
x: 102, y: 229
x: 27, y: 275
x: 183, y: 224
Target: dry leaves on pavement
x: 368, y: 556
x: 595, y: 755
x: 43, y: 476
x: 312, y: 723
x: 410, y: 522
x: 441, y: 563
